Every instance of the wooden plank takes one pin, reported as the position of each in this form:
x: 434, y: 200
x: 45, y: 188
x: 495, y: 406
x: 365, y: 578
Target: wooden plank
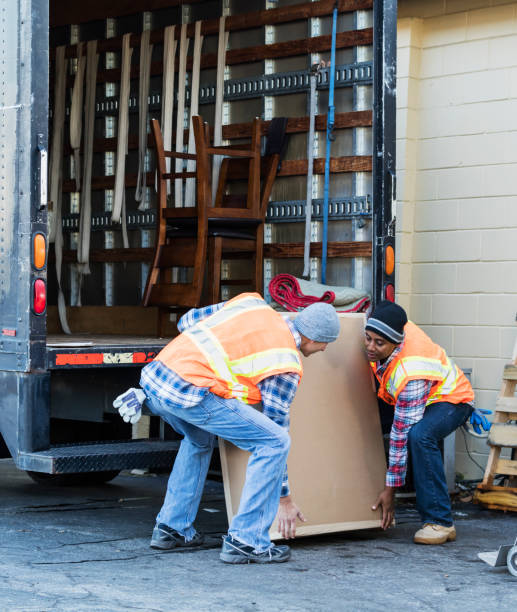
x: 336, y: 469
x: 273, y: 251
x: 508, y: 467
x: 298, y: 167
x: 295, y: 125
x: 109, y: 255
x: 108, y: 182
x: 510, y: 372
x: 334, y: 249
x: 112, y: 320
x: 246, y: 55
x: 63, y: 12
x: 503, y: 434
x: 506, y: 404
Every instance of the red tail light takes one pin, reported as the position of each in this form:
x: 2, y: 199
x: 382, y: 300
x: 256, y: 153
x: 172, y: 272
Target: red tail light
x: 389, y: 292
x: 40, y: 296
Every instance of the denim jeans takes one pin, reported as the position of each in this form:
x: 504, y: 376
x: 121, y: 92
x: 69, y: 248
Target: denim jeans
x: 432, y: 497
x: 248, y: 429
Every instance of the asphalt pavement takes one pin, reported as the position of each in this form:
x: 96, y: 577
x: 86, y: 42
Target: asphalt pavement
x: 75, y: 549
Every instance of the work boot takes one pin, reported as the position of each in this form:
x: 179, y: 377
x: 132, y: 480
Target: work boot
x: 165, y: 538
x: 435, y: 534
x: 234, y: 551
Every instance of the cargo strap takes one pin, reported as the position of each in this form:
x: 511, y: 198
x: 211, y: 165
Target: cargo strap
x: 180, y: 122
x: 169, y: 57
x: 56, y: 177
x: 330, y: 138
x: 76, y: 114
x: 190, y: 188
x: 118, y: 213
x: 56, y: 154
x: 146, y: 50
x: 219, y: 94
x: 310, y: 163
x: 83, y: 247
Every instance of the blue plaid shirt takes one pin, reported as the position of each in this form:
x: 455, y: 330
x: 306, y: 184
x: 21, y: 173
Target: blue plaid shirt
x: 167, y: 387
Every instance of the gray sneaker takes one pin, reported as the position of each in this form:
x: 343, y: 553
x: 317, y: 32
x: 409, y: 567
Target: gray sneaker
x: 234, y: 551
x: 165, y: 538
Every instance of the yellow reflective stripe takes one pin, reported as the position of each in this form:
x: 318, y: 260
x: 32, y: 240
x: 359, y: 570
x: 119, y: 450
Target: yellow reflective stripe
x: 217, y: 358
x: 259, y: 363
x: 425, y: 368
x: 229, y: 311
x: 417, y: 365
x: 448, y: 385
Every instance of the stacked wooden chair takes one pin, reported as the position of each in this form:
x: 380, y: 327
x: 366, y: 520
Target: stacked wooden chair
x: 200, y: 237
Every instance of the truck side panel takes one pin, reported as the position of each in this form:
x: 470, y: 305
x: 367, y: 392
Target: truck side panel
x: 23, y: 138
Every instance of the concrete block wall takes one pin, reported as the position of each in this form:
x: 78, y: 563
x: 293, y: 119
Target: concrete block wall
x: 457, y: 186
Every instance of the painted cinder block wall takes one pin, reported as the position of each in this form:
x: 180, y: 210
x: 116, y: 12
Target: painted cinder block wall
x: 457, y: 186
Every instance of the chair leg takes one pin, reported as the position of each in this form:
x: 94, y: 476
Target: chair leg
x: 214, y: 269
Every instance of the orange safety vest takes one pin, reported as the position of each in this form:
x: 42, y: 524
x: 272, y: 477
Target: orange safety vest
x: 422, y: 359
x: 235, y: 348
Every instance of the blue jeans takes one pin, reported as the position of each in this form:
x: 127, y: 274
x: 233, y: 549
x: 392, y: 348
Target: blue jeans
x: 432, y: 497
x: 248, y: 429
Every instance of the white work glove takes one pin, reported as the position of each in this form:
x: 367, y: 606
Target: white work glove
x: 129, y: 405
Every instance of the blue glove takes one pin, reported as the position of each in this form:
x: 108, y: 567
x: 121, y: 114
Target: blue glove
x: 478, y: 420
x: 129, y: 405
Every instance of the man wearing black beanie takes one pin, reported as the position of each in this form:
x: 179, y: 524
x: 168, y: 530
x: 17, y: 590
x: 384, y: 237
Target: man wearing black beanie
x: 431, y: 398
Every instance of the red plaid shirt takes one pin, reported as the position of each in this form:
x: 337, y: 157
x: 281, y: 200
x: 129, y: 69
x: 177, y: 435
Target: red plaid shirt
x: 409, y: 409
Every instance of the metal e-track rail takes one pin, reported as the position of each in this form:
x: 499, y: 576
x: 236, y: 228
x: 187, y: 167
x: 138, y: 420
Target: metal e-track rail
x: 257, y: 86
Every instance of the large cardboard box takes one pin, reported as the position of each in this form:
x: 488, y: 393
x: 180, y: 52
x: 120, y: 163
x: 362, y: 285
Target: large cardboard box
x: 337, y: 462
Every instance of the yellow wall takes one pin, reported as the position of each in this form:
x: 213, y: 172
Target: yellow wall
x: 457, y: 185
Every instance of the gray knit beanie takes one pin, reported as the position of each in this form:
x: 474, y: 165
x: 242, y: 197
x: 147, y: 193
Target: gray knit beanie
x: 318, y: 322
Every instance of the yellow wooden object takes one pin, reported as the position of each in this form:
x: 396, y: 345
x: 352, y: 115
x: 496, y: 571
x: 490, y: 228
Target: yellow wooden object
x: 503, y: 434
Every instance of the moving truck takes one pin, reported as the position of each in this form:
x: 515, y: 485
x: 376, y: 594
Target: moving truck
x: 56, y: 414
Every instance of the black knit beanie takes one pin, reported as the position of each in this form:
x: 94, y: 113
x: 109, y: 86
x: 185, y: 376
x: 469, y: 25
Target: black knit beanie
x: 388, y: 320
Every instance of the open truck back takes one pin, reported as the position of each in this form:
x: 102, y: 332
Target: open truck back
x: 56, y: 414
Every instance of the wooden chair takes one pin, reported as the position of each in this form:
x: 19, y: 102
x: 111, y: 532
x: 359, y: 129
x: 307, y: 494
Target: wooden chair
x: 200, y: 237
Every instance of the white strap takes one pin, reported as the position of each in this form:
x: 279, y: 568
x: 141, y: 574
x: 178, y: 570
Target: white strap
x: 182, y: 73
x: 169, y: 57
x: 76, y: 114
x: 56, y: 178
x: 219, y: 93
x: 190, y: 189
x: 310, y: 163
x: 56, y: 153
x: 83, y: 247
x: 146, y: 50
x: 122, y: 130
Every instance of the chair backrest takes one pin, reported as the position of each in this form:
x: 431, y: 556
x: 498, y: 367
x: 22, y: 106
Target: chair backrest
x: 246, y: 155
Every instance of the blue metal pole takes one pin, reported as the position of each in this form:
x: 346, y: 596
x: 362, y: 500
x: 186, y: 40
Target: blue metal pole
x: 330, y: 138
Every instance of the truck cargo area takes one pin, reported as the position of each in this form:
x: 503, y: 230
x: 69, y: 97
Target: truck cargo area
x: 76, y: 242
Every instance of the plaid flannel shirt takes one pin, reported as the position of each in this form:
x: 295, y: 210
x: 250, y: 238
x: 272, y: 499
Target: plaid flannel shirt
x: 409, y: 409
x: 166, y: 386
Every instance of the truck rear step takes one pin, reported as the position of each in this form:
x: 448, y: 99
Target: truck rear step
x: 94, y: 456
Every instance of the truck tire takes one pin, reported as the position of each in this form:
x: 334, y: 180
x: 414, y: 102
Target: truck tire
x: 73, y: 480
x: 511, y: 561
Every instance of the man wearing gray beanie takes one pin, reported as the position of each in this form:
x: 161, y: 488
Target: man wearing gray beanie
x: 232, y: 372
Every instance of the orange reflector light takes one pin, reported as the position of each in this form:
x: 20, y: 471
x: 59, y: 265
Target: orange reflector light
x: 40, y: 296
x: 389, y: 260
x: 389, y: 292
x: 40, y: 251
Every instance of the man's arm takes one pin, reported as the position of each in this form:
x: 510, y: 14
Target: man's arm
x: 194, y: 315
x: 409, y: 409
x: 277, y: 395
